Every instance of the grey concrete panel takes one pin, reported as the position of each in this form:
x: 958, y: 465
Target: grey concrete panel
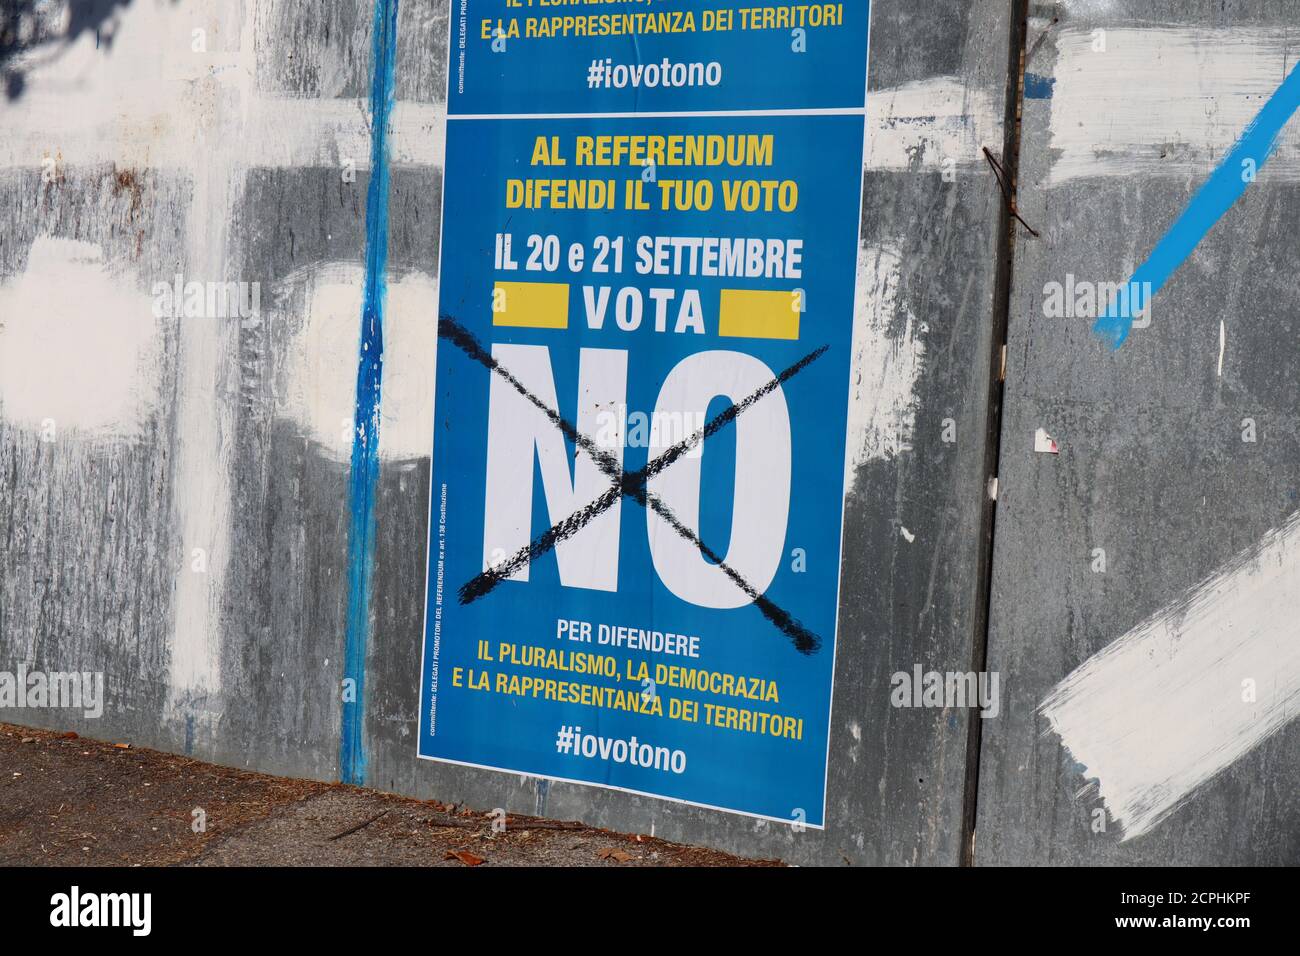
x: 1152, y: 467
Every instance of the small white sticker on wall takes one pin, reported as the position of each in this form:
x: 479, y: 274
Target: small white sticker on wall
x: 1045, y: 443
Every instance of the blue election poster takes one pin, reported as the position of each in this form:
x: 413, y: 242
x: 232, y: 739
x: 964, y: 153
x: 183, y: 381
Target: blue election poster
x: 648, y: 261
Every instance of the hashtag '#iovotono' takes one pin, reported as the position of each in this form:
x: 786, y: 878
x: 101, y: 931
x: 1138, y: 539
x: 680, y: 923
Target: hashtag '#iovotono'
x: 564, y: 740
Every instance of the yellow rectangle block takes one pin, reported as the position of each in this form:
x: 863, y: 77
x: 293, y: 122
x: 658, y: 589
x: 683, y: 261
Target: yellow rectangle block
x: 531, y: 305
x: 748, y: 314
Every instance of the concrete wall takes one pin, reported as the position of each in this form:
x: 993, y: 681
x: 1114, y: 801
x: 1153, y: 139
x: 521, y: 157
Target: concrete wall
x: 175, y: 494
x: 1156, y: 467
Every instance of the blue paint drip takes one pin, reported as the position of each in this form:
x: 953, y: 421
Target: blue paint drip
x: 365, y: 439
x: 1224, y: 187
x: 1038, y: 87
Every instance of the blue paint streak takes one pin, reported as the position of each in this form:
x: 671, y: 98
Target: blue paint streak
x: 1208, y: 206
x: 1038, y: 87
x: 365, y: 439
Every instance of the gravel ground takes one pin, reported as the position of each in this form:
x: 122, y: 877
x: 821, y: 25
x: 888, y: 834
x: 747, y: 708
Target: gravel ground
x: 67, y: 800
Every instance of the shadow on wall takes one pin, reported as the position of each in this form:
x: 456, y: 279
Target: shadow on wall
x: 37, y: 31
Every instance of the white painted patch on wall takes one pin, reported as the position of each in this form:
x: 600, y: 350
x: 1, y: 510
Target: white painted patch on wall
x: 1164, y: 101
x: 1081, y: 8
x: 321, y: 389
x: 1192, y: 689
x: 202, y: 457
x: 143, y: 102
x: 887, y: 359
x: 79, y: 345
x: 929, y: 121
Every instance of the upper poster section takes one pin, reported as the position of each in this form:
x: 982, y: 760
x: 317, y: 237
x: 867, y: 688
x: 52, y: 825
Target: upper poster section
x: 651, y: 56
